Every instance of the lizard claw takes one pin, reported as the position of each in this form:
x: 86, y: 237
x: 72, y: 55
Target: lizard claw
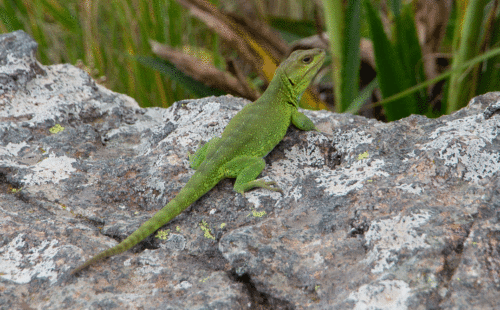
x: 276, y: 189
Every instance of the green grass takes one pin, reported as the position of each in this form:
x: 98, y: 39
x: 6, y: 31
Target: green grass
x: 107, y: 37
x: 110, y: 41
x: 475, y: 45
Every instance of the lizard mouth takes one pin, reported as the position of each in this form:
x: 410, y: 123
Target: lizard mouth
x: 305, y: 78
x: 307, y: 72
x: 318, y: 64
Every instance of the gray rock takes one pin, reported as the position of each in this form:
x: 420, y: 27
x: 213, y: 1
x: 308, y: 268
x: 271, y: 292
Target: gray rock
x: 402, y: 215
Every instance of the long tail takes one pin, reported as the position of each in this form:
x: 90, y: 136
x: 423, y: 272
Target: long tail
x: 194, y: 189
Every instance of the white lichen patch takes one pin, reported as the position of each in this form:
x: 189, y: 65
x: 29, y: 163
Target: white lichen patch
x: 389, y: 236
x: 50, y: 170
x: 22, y: 269
x: 342, y: 180
x: 410, y: 188
x: 295, y: 193
x: 16, y: 64
x: 463, y: 141
x: 297, y: 157
x: 192, y: 125
x: 307, y: 159
x: 299, y: 162
x: 39, y: 100
x: 347, y: 142
x: 12, y: 149
x: 383, y: 295
x: 184, y: 285
x: 195, y: 125
x: 318, y: 259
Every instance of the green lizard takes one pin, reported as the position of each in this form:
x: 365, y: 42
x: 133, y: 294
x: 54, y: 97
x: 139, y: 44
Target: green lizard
x: 239, y: 152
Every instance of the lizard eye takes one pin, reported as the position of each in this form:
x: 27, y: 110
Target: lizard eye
x: 307, y: 59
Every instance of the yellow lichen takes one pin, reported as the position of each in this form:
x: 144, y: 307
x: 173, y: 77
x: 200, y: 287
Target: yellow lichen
x: 257, y: 214
x: 206, y: 230
x: 56, y: 129
x: 162, y: 234
x: 363, y: 155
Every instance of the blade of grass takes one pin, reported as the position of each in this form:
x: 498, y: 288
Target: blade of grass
x: 174, y: 23
x: 169, y: 70
x: 156, y: 18
x: 294, y: 29
x: 390, y: 72
x: 125, y: 13
x: 408, y: 48
x: 63, y: 16
x: 8, y: 15
x: 490, y: 77
x: 362, y: 97
x: 395, y: 7
x: 334, y: 21
x: 35, y: 14
x: 460, y: 88
x: 442, y: 76
x: 352, y: 59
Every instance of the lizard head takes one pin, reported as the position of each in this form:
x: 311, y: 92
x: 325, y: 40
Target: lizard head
x: 298, y: 70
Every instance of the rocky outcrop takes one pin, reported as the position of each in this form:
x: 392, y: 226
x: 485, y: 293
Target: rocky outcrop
x: 403, y: 215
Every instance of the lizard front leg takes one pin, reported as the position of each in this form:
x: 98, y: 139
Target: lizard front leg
x: 302, y: 122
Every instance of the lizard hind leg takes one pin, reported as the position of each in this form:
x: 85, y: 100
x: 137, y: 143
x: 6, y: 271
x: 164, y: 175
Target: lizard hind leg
x: 246, y: 169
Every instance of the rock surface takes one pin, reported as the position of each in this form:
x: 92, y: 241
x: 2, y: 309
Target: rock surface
x: 402, y: 215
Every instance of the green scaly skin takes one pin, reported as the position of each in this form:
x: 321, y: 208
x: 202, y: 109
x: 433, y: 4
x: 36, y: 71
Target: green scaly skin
x: 239, y: 153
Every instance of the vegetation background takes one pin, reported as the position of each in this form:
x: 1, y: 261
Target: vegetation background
x: 387, y: 59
